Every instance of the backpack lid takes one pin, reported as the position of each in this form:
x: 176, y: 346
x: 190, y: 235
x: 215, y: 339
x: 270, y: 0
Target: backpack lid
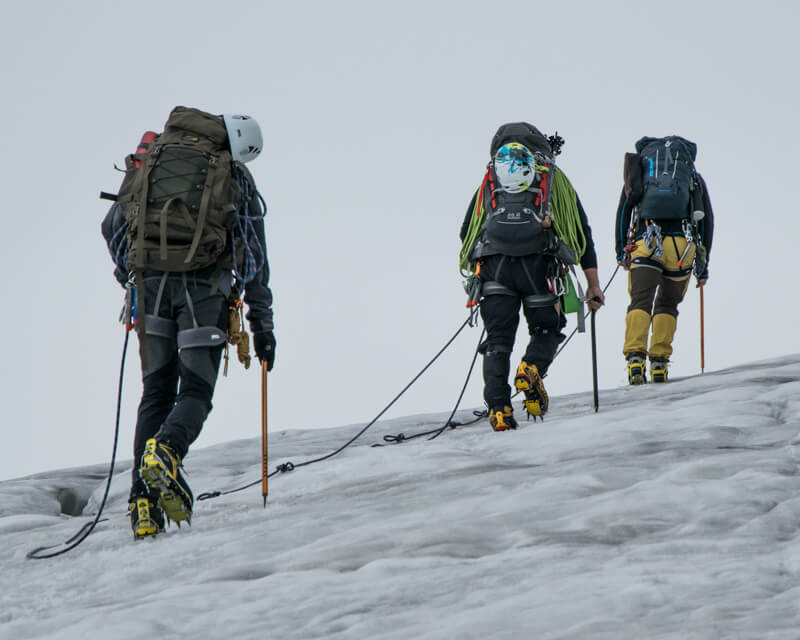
x: 689, y: 146
x: 521, y: 132
x: 203, y: 124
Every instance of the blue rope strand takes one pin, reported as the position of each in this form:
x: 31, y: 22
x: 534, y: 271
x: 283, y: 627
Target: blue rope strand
x: 255, y: 256
x: 118, y: 247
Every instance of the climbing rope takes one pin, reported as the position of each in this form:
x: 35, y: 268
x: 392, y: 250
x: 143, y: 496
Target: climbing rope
x: 85, y: 530
x: 88, y: 528
x: 473, y: 230
x: 290, y: 466
x: 608, y: 284
x: 253, y: 258
x: 566, y: 216
x: 400, y: 437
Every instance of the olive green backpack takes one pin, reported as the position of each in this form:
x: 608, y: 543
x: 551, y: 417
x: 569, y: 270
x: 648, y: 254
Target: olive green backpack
x: 179, y: 199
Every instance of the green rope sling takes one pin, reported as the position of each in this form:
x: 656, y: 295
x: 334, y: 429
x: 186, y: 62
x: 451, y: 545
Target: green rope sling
x: 473, y: 231
x: 566, y: 220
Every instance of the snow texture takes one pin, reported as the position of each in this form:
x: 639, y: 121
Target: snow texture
x: 671, y: 513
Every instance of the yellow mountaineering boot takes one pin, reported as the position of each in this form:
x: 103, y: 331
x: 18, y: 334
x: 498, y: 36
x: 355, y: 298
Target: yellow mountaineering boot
x: 502, y: 419
x: 636, y: 370
x: 160, y: 471
x: 658, y: 370
x: 147, y: 519
x: 530, y: 382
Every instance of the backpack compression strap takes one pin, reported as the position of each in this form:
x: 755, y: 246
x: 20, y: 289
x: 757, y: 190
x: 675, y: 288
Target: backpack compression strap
x: 204, y: 202
x: 180, y: 206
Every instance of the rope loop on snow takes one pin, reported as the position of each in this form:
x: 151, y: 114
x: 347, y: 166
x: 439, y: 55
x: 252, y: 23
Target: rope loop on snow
x: 289, y: 466
x: 86, y: 529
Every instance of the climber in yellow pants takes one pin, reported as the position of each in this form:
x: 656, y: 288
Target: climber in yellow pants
x: 657, y: 285
x: 663, y: 232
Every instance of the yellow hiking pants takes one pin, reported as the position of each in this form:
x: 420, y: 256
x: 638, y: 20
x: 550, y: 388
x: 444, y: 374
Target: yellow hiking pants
x: 656, y: 286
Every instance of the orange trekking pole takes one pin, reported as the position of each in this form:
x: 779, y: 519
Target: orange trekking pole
x: 702, y: 335
x: 264, y: 462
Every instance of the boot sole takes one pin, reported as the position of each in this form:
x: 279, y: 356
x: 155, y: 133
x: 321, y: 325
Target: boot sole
x: 145, y: 527
x: 503, y: 427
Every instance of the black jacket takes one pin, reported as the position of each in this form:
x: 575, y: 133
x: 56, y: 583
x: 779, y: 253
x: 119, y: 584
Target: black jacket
x: 705, y: 227
x: 257, y: 293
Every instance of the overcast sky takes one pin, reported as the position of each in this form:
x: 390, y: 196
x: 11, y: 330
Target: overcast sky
x: 377, y: 120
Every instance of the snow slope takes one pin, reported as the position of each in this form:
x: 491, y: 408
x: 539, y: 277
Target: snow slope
x: 672, y: 513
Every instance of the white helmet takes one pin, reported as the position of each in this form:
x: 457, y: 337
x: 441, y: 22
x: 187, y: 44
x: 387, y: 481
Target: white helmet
x: 515, y: 167
x: 244, y: 136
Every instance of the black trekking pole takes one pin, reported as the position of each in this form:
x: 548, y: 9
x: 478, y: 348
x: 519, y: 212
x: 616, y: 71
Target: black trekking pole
x: 594, y: 363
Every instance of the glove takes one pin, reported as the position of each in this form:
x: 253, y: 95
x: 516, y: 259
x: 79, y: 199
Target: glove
x: 264, y: 346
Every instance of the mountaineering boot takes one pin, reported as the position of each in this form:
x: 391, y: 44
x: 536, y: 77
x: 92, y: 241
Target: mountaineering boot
x: 658, y: 370
x: 530, y: 382
x: 160, y: 471
x: 636, y: 370
x: 147, y: 518
x: 502, y: 419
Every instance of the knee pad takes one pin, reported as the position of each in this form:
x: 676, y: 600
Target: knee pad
x: 202, y: 362
x: 155, y: 352
x: 498, y: 350
x: 547, y: 320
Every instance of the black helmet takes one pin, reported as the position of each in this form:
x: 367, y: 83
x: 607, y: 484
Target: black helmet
x: 523, y: 133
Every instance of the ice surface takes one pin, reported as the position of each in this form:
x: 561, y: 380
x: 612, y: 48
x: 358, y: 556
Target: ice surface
x: 671, y: 513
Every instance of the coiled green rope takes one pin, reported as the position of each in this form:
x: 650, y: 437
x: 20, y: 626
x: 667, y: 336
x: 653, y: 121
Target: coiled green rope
x: 473, y: 231
x: 566, y: 217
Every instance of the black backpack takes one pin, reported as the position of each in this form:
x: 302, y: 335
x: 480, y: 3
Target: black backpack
x: 513, y: 224
x: 660, y: 177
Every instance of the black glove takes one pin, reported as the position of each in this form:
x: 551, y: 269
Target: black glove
x: 264, y: 345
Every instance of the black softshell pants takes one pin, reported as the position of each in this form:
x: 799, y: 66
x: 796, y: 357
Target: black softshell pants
x: 177, y: 386
x: 525, y: 276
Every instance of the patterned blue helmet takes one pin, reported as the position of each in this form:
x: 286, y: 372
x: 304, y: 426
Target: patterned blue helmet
x: 515, y: 167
